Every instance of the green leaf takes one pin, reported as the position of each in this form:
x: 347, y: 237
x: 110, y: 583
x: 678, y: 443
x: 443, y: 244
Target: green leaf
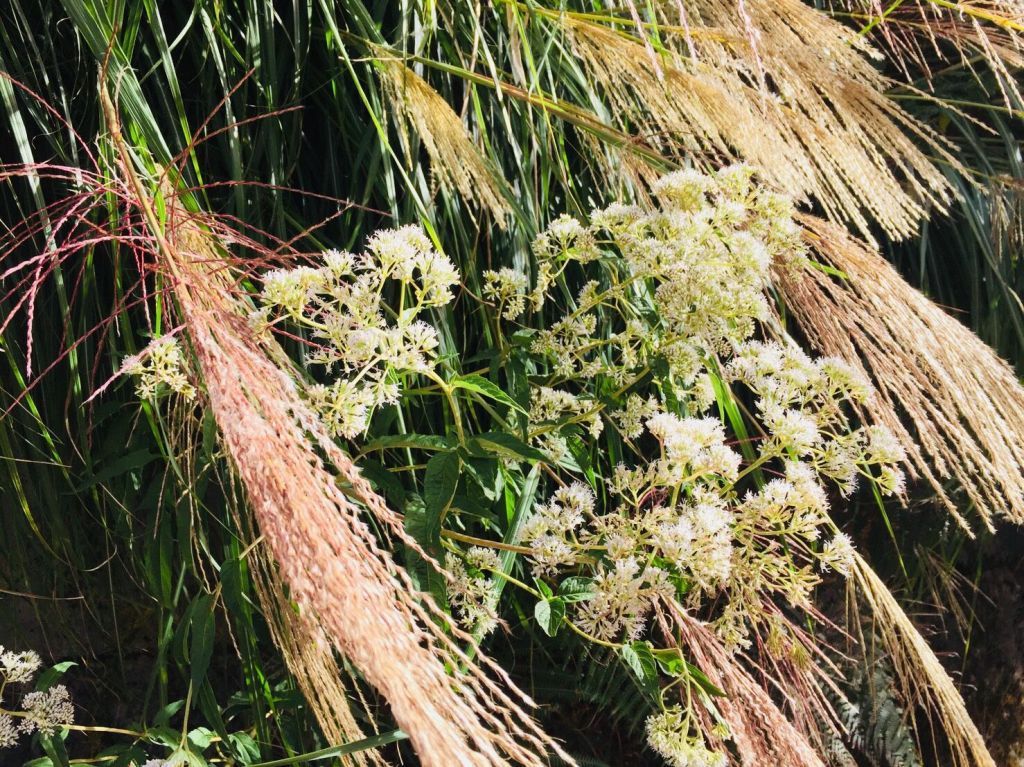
x: 486, y: 475
x: 670, y: 661
x: 126, y: 463
x: 577, y: 588
x: 201, y: 633
x: 481, y: 385
x: 365, y: 744
x: 549, y: 614
x: 439, y: 484
x: 53, y: 745
x: 48, y: 677
x: 383, y: 481
x: 702, y: 681
x: 506, y: 446
x: 244, y: 747
x: 417, y: 441
x: 544, y: 588
x: 201, y: 737
x: 638, y: 656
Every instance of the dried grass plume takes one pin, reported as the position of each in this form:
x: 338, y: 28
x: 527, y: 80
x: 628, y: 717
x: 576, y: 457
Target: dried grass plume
x: 955, y: 405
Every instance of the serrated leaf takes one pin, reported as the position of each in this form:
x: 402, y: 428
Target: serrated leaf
x: 549, y: 614
x: 637, y: 655
x: 485, y: 475
x: 488, y: 389
x: 244, y: 747
x: 577, y: 588
x: 544, y: 588
x: 201, y: 737
x: 439, y: 484
x: 415, y: 441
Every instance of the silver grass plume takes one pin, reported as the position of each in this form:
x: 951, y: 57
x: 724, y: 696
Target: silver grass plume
x: 956, y: 406
x: 455, y: 160
x: 824, y: 130
x: 920, y: 675
x: 325, y: 551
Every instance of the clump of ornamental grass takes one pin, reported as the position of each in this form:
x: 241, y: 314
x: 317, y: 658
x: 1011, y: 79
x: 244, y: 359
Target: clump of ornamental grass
x: 643, y: 325
x: 917, y: 34
x: 955, y: 407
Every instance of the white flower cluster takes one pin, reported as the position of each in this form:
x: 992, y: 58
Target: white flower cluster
x: 701, y: 258
x: 556, y: 523
x: 43, y: 711
x: 470, y: 588
x: 341, y: 304
x: 624, y: 591
x: 47, y: 710
x: 669, y: 733
x: 800, y: 402
x: 681, y: 519
x: 566, y: 237
x: 159, y: 369
x: 510, y: 289
x: 18, y: 667
x: 551, y: 409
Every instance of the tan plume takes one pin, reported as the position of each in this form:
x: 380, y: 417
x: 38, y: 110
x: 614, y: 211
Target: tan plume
x: 921, y: 676
x: 919, y: 33
x: 455, y: 159
x: 780, y: 86
x: 325, y: 551
x: 760, y: 731
x: 956, y: 406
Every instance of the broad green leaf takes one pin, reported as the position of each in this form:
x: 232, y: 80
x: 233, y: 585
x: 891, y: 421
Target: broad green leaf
x: 505, y: 445
x: 416, y: 441
x: 577, y: 588
x: 481, y: 385
x: 637, y: 655
x: 549, y: 614
x: 439, y: 484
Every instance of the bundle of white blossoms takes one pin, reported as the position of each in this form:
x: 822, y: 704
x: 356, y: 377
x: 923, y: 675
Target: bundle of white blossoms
x: 693, y: 522
x: 43, y: 711
x: 159, y: 369
x: 359, y: 336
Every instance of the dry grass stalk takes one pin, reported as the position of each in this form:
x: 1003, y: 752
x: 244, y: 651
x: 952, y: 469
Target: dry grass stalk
x: 918, y: 33
x: 760, y: 732
x: 326, y: 553
x: 454, y: 158
x: 920, y: 674
x: 310, y: 658
x: 957, y: 407
x: 333, y: 565
x: 825, y: 130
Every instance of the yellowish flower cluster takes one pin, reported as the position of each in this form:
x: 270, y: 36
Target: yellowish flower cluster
x: 160, y: 369
x: 362, y: 339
